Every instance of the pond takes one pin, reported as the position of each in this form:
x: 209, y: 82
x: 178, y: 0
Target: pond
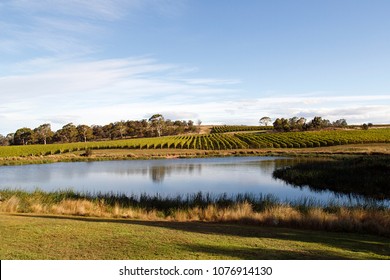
x: 170, y: 177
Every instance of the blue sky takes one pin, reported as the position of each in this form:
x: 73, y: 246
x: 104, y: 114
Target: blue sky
x: 220, y: 61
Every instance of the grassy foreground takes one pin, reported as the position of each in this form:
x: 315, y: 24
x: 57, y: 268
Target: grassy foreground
x: 26, y: 236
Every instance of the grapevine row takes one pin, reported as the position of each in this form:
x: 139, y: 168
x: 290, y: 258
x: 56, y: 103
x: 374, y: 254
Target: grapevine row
x: 214, y: 141
x: 237, y: 128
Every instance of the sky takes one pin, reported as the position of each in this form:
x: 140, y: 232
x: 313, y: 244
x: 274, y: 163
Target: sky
x: 218, y: 61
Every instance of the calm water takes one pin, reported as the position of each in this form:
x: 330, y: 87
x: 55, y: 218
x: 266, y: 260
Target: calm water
x: 166, y: 177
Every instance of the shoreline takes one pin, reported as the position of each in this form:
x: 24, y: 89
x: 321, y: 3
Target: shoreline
x: 147, y: 154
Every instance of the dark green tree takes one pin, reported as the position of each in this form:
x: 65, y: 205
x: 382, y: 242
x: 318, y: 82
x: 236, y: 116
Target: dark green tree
x: 24, y: 136
x: 67, y: 134
x: 340, y: 123
x: 317, y: 122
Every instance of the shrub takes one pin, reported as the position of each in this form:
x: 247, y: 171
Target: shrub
x: 88, y: 152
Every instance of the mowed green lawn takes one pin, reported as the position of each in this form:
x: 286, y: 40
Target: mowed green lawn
x: 63, y: 237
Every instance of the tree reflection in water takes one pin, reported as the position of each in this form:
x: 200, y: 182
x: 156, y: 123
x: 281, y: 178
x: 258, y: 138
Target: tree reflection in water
x: 158, y: 173
x: 365, y: 176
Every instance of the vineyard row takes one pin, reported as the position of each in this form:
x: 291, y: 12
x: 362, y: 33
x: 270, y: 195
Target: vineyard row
x: 215, y: 141
x: 238, y: 128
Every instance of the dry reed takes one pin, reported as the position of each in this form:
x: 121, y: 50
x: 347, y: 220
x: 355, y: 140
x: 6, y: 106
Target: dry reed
x: 345, y: 219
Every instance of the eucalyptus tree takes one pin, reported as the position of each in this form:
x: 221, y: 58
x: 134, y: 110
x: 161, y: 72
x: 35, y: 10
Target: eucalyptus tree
x: 10, y: 138
x: 340, y: 123
x: 281, y: 124
x: 191, y: 126
x: 179, y: 126
x: 68, y: 133
x: 157, y: 122
x: 24, y: 136
x: 265, y: 121
x: 98, y: 132
x: 198, y: 123
x: 301, y: 122
x: 108, y: 130
x: 131, y: 128
x: 119, y: 129
x: 44, y: 133
x: 84, y: 132
x: 316, y: 122
x: 293, y: 123
x: 3, y: 140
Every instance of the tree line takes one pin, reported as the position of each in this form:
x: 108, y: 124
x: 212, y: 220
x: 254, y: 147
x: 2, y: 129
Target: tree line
x: 155, y: 126
x: 301, y: 124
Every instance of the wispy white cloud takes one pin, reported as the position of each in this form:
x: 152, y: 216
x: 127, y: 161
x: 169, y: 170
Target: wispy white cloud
x: 68, y: 26
x: 46, y: 35
x: 102, y: 91
x: 97, y: 9
x: 59, y: 90
x: 355, y: 108
x: 167, y: 8
x: 98, y: 92
x: 212, y: 81
x: 73, y: 26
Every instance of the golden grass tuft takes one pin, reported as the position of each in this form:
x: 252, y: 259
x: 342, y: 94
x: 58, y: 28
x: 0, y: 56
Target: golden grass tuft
x: 39, y: 208
x: 133, y: 213
x: 10, y: 205
x: 76, y: 207
x: 281, y: 215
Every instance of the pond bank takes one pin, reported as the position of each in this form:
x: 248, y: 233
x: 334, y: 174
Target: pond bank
x: 130, y: 154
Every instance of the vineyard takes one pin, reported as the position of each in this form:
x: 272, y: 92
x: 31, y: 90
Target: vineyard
x: 312, y: 139
x: 237, y: 128
x: 214, y: 141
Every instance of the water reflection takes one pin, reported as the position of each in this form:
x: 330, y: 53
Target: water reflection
x: 167, y: 177
x: 367, y: 177
x: 158, y: 173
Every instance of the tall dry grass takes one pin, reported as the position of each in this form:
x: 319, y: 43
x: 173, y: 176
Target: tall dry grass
x: 11, y: 205
x: 343, y: 219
